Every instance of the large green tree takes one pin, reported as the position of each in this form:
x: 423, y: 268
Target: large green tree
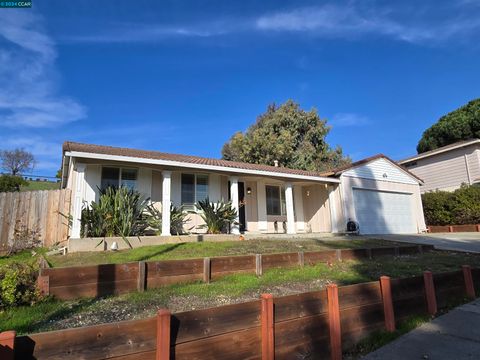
x: 461, y: 124
x: 294, y: 137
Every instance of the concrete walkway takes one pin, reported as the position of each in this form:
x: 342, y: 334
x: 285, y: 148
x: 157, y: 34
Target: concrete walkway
x: 455, y: 335
x: 469, y: 242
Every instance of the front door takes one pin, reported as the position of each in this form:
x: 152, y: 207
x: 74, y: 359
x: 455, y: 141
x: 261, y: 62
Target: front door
x: 241, y: 203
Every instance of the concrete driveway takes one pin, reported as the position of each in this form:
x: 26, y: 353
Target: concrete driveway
x: 446, y: 241
x: 455, y: 335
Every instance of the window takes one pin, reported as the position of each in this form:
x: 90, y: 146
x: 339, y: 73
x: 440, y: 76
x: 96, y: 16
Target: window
x: 275, y: 200
x: 115, y: 177
x: 194, y: 188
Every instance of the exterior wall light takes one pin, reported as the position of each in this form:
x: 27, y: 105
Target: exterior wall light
x: 249, y: 190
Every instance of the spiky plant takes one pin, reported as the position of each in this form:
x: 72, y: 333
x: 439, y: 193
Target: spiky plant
x: 118, y: 212
x: 217, y: 217
x: 177, y: 219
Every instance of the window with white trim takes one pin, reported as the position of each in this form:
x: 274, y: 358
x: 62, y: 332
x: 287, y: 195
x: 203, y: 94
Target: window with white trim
x: 275, y: 195
x: 194, y: 189
x: 115, y: 177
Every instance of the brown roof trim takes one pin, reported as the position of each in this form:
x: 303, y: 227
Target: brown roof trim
x: 146, y: 154
x: 340, y: 170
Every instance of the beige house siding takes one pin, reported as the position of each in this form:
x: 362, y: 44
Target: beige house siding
x: 448, y: 170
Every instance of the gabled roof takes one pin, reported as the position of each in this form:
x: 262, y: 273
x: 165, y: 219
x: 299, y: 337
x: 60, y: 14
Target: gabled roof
x: 340, y: 170
x: 77, y: 149
x: 440, y: 150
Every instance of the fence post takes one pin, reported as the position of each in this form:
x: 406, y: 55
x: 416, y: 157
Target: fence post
x: 420, y: 249
x: 268, y: 342
x: 369, y: 253
x: 450, y: 229
x: 338, y: 254
x: 163, y: 334
x: 467, y: 276
x: 334, y: 322
x: 141, y: 276
x: 430, y: 292
x: 396, y: 251
x: 43, y: 283
x: 258, y: 265
x: 7, y: 345
x: 206, y: 270
x: 478, y: 228
x: 386, y: 289
x: 301, y: 259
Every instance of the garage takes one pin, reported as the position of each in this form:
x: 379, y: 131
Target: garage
x: 383, y: 212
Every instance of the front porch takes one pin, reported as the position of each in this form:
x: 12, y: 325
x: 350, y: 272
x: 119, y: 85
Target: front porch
x: 264, y: 204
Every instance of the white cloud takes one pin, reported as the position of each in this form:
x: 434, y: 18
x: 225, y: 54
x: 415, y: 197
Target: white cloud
x: 349, y: 120
x: 29, y: 95
x: 350, y: 20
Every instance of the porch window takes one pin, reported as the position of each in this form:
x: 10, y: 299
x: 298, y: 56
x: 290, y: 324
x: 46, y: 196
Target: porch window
x: 275, y: 200
x: 115, y: 177
x: 194, y: 188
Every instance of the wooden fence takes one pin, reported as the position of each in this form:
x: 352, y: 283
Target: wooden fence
x: 107, y: 279
x: 453, y: 228
x: 35, y: 212
x: 317, y: 325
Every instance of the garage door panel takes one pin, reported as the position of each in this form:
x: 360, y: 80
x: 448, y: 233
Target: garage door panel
x: 382, y: 212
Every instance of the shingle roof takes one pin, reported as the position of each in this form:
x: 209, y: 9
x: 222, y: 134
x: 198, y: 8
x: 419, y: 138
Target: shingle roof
x: 425, y: 154
x: 340, y: 170
x: 120, y: 151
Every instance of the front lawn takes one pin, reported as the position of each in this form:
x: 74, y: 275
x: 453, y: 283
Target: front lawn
x: 231, y: 289
x: 211, y: 249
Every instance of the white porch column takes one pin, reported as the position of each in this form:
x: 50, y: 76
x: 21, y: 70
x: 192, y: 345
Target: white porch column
x: 290, y: 211
x: 298, y: 201
x: 262, y: 207
x: 78, y: 195
x: 235, y: 229
x: 166, y: 189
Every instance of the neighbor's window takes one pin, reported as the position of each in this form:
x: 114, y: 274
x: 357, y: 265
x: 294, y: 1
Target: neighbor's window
x: 275, y: 200
x: 194, y: 188
x: 115, y: 177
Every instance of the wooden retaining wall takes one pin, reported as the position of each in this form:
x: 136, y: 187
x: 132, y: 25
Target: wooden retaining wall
x: 37, y: 211
x: 100, y: 280
x: 453, y: 228
x: 318, y: 324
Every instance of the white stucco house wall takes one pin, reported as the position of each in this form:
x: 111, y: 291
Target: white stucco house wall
x: 448, y: 167
x: 378, y: 193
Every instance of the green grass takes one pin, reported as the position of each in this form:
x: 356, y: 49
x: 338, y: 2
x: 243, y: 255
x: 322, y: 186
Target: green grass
x: 210, y: 249
x: 40, y: 185
x: 229, y: 289
x: 26, y: 256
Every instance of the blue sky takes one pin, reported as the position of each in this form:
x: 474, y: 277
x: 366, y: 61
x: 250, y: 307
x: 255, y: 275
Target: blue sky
x: 183, y: 76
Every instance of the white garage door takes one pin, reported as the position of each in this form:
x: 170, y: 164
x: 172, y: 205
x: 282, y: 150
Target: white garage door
x: 381, y: 212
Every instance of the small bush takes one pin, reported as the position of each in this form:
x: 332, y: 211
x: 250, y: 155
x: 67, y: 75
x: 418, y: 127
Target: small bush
x: 452, y: 208
x: 177, y: 219
x: 217, y: 216
x: 24, y: 238
x: 18, y: 285
x: 10, y: 183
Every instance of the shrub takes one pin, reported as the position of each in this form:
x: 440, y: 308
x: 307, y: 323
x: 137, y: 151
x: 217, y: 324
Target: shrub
x: 11, y: 183
x: 24, y: 238
x: 119, y: 212
x: 452, y: 208
x: 18, y: 285
x: 177, y: 219
x: 217, y: 216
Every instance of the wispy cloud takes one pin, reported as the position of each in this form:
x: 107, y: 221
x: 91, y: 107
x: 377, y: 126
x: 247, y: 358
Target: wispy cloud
x: 28, y: 92
x: 349, y: 120
x: 351, y: 20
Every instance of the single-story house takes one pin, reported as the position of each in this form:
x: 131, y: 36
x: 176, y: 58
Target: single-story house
x: 447, y: 167
x: 376, y: 192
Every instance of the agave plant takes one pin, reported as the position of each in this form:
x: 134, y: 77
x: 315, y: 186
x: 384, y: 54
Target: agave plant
x: 177, y: 219
x: 217, y: 216
x: 119, y: 212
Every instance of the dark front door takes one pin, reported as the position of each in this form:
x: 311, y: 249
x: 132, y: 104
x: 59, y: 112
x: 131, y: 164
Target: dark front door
x: 241, y: 210
x: 241, y: 202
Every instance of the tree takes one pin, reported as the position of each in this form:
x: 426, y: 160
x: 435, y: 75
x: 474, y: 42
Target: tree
x: 11, y: 183
x: 288, y: 134
x: 16, y: 161
x: 461, y: 124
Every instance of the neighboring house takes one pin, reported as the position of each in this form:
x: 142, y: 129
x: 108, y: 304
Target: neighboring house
x: 376, y: 192
x: 448, y: 167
